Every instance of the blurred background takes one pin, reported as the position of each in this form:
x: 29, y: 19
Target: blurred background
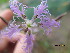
x: 61, y: 36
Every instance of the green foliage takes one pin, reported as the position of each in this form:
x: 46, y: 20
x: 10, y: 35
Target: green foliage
x: 3, y: 1
x: 57, y: 7
x: 29, y: 13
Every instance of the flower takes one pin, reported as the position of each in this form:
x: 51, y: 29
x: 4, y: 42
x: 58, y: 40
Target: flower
x: 29, y: 41
x: 43, y: 14
x: 10, y: 30
x: 47, y: 24
x: 15, y: 7
x: 40, y: 9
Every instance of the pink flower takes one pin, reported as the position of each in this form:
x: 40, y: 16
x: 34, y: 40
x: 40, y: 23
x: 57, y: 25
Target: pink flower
x: 29, y: 41
x: 40, y: 9
x: 15, y: 7
x: 47, y: 24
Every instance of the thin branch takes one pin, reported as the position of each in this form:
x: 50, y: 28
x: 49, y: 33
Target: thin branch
x: 59, y: 17
x: 5, y: 21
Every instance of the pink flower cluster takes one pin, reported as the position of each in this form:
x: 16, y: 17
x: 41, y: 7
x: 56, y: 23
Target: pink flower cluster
x: 40, y: 12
